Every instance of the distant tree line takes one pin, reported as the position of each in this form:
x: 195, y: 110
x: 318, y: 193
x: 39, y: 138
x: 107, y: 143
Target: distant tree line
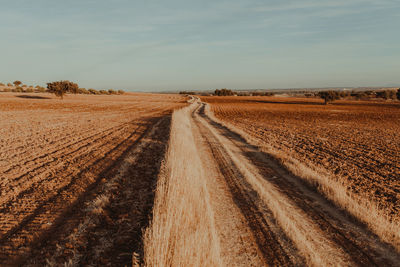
x: 249, y: 93
x: 187, y: 93
x: 330, y: 96
x: 223, y: 92
x: 59, y: 88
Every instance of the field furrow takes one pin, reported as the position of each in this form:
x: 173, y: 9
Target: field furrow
x: 59, y: 162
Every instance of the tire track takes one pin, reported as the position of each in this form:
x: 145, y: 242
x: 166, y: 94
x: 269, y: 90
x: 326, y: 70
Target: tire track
x: 246, y: 199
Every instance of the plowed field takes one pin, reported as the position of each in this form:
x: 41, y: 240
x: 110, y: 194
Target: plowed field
x: 76, y: 175
x: 357, y: 142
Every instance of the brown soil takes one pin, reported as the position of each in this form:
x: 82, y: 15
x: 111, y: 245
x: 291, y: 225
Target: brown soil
x: 356, y: 141
x: 66, y: 191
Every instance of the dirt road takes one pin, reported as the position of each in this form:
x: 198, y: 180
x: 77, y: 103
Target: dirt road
x: 265, y: 215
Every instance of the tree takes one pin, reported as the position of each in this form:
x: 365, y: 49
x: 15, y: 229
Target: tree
x: 60, y: 88
x: 386, y: 94
x: 17, y: 83
x: 398, y: 94
x: 328, y: 96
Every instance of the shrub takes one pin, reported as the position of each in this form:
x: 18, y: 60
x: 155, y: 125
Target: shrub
x: 40, y: 89
x: 386, y: 94
x: 93, y: 91
x: 24, y: 85
x: 103, y: 92
x: 344, y: 94
x: 18, y: 89
x: 112, y: 92
x: 6, y: 90
x: 60, y: 88
x: 121, y: 92
x: 9, y: 84
x: 29, y: 90
x: 398, y: 94
x: 2, y: 84
x: 83, y: 91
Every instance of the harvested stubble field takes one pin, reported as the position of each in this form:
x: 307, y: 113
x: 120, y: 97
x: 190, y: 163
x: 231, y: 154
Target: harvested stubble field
x: 77, y: 175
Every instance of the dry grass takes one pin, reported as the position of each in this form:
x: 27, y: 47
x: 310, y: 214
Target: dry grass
x: 182, y: 232
x: 378, y: 219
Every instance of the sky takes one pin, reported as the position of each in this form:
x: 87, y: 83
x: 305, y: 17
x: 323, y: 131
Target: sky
x: 153, y: 45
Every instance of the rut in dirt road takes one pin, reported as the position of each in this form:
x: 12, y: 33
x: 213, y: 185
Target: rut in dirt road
x: 288, y: 217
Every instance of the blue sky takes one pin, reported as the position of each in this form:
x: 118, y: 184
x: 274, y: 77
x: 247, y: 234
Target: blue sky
x: 175, y: 45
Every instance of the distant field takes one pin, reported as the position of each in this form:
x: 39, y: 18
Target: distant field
x: 357, y: 142
x: 65, y: 175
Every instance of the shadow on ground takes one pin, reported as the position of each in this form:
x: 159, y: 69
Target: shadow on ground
x: 32, y: 97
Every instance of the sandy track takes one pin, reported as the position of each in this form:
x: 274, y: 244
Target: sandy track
x: 256, y: 182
